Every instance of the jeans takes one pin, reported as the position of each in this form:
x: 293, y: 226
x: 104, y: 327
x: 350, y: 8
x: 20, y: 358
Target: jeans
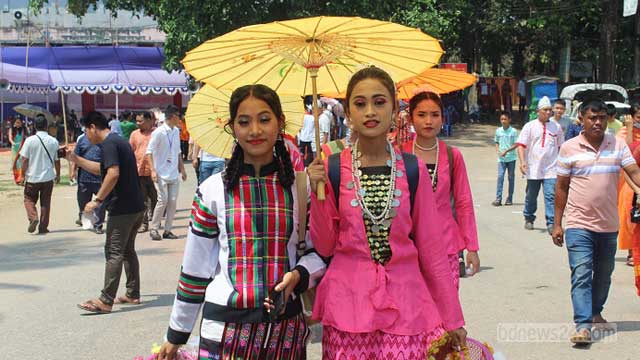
x: 307, y: 152
x: 84, y: 195
x: 208, y: 168
x: 33, y: 191
x: 120, y: 250
x: 150, y: 197
x: 502, y: 168
x: 592, y: 259
x: 531, y: 199
x: 167, y: 200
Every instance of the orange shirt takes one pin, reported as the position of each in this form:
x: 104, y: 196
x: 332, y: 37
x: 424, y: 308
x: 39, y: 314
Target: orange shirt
x: 184, y: 133
x: 139, y: 142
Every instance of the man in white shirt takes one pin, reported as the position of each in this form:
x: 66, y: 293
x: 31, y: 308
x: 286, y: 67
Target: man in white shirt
x: 558, y: 115
x: 538, y: 147
x: 325, y: 119
x: 307, y: 133
x: 39, y: 159
x: 166, y: 166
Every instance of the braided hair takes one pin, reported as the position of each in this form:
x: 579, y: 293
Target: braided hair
x: 233, y: 170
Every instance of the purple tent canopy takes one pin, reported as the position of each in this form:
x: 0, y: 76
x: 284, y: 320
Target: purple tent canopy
x: 137, y: 70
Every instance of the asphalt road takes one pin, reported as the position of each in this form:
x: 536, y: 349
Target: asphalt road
x: 519, y: 302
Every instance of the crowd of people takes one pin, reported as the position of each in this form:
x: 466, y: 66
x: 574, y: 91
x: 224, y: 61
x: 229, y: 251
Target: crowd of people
x: 396, y: 205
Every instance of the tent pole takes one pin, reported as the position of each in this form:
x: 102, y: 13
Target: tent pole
x: 117, y: 106
x: 64, y: 118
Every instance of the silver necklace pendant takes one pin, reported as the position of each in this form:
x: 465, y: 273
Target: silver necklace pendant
x: 395, y: 203
x: 358, y: 163
x: 354, y: 203
x: 397, y: 192
x: 351, y: 185
x: 389, y: 163
x: 375, y: 229
x: 359, y: 173
x: 362, y: 192
x: 399, y: 173
x: 386, y: 223
x: 393, y: 213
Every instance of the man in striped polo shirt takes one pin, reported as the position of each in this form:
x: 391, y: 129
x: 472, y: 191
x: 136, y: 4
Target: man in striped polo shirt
x: 588, y: 170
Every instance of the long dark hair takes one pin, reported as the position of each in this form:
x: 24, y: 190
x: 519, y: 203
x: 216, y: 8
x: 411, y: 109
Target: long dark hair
x: 635, y: 107
x: 233, y: 171
x: 18, y: 130
x: 422, y: 96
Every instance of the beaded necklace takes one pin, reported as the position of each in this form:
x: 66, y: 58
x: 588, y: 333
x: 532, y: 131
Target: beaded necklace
x: 434, y: 176
x: 383, y: 219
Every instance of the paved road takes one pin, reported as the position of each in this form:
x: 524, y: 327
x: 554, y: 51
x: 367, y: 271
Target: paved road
x: 524, y: 280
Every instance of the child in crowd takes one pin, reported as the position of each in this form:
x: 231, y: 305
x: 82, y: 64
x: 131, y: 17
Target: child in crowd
x: 505, y: 139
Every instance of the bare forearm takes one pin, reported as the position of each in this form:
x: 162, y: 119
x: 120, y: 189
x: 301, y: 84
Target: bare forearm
x: 88, y: 165
x: 181, y: 165
x: 149, y: 158
x: 58, y: 168
x: 562, y: 193
x: 25, y: 166
x: 521, y: 154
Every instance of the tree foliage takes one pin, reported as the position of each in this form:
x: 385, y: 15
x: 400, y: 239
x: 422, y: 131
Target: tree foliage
x: 513, y: 37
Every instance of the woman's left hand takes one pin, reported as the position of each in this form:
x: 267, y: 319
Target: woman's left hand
x: 289, y: 282
x: 458, y: 338
x: 473, y: 262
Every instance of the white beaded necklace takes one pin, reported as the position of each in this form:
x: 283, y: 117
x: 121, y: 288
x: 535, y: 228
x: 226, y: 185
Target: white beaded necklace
x: 384, y: 218
x: 434, y: 178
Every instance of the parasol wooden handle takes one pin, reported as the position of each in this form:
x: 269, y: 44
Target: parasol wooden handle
x: 313, y: 73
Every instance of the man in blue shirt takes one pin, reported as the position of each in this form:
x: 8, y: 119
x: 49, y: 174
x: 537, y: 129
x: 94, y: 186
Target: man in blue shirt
x: 88, y: 183
x: 505, y: 139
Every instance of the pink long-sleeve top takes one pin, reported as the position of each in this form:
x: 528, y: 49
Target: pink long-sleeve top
x: 461, y: 230
x: 412, y: 293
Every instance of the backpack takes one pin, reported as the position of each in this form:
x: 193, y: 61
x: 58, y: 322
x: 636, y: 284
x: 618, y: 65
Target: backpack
x: 411, y: 170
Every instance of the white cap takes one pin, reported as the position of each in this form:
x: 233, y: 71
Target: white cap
x: 544, y: 103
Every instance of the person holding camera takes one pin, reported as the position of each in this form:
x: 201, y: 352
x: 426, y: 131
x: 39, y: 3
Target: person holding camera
x: 120, y: 192
x: 40, y: 169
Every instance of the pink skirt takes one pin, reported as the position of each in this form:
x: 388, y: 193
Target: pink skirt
x: 341, y: 345
x: 455, y: 270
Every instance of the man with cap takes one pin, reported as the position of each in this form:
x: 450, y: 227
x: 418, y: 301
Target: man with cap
x: 538, y: 146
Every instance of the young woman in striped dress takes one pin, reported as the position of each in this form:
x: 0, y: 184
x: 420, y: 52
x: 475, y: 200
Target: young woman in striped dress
x: 242, y: 243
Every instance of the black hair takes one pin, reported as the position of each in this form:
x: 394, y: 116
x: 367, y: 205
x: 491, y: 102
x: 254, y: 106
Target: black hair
x: 14, y: 128
x: 145, y: 115
x: 506, y: 113
x: 635, y: 108
x: 126, y: 115
x: 372, y: 72
x: 560, y: 102
x: 233, y: 170
x: 593, y: 105
x: 422, y: 96
x: 97, y: 119
x: 40, y: 122
x: 171, y: 110
x: 611, y: 110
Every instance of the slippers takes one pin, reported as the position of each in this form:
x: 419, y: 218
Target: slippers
x: 629, y: 260
x: 127, y: 300
x: 95, y: 306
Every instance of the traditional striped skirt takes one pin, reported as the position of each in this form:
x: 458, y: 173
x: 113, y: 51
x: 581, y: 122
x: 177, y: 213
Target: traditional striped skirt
x: 285, y: 340
x: 341, y: 345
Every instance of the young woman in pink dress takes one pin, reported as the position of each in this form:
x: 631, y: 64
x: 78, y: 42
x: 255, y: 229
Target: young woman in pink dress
x: 388, y: 291
x: 459, y: 229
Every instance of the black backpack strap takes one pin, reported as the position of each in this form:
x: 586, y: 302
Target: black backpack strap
x: 334, y: 176
x: 413, y: 175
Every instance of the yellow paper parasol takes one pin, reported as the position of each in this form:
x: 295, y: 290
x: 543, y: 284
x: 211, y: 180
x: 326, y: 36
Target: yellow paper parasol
x: 441, y: 81
x: 304, y: 56
x: 208, y: 112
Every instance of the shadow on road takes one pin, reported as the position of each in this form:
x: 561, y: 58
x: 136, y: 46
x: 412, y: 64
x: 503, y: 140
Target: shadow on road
x: 46, y: 253
x: 149, y: 301
x: 20, y: 287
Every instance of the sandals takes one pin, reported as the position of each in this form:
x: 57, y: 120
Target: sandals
x: 581, y: 337
x: 127, y: 300
x: 95, y: 306
x: 629, y: 260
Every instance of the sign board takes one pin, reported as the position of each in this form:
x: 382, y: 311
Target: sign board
x: 630, y: 7
x: 454, y: 66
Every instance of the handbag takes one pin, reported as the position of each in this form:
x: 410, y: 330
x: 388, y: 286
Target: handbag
x: 308, y: 297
